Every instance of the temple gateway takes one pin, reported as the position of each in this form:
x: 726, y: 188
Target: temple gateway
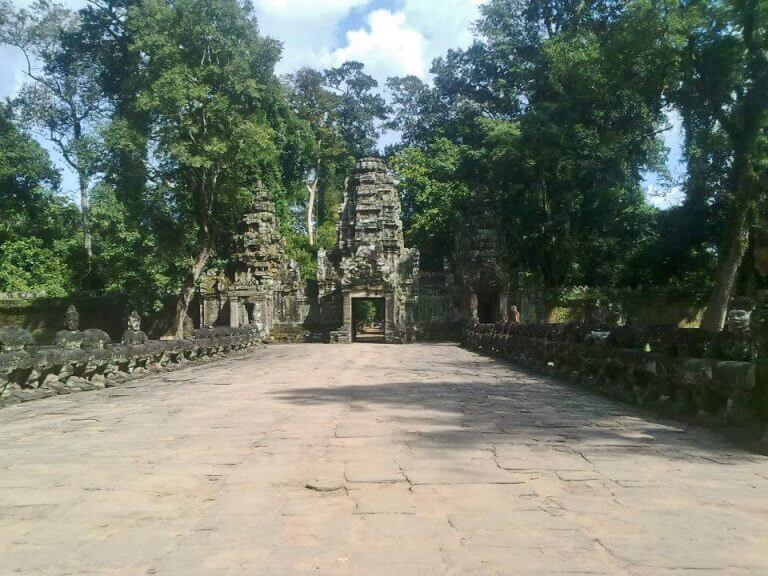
x: 368, y: 288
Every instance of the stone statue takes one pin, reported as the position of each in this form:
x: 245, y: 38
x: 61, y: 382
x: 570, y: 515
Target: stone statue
x: 734, y: 343
x: 257, y: 314
x: 515, y: 313
x: 133, y: 334
x: 70, y: 338
x: 737, y: 322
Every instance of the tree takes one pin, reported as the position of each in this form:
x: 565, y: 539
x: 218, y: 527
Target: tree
x: 205, y: 81
x: 27, y: 183
x: 342, y: 108
x: 37, y: 224
x: 431, y: 197
x: 722, y: 94
x: 312, y: 101
x: 556, y: 110
x: 62, y: 99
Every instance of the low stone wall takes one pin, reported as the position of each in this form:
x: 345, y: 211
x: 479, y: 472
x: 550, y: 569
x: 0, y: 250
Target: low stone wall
x: 689, y: 371
x: 28, y: 372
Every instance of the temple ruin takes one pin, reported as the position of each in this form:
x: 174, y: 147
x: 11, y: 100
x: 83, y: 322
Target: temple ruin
x: 371, y: 261
x: 261, y: 286
x: 369, y: 271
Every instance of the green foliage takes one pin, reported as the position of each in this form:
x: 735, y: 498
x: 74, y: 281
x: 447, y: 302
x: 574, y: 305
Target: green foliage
x: 36, y: 225
x: 549, y: 119
x: 431, y: 196
x: 721, y: 91
x: 554, y: 115
x: 326, y: 235
x: 27, y: 265
x: 27, y: 184
x: 128, y: 257
x: 367, y: 311
x: 62, y: 99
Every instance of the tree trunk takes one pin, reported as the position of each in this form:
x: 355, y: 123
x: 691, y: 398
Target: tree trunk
x: 310, y: 211
x: 312, y: 196
x: 85, y: 209
x: 727, y: 269
x: 187, y: 291
x: 744, y: 128
x: 205, y: 251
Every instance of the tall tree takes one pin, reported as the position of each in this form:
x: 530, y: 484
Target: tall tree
x: 36, y: 223
x: 556, y: 108
x: 343, y: 108
x: 62, y: 100
x: 723, y: 98
x: 27, y: 181
x: 205, y: 80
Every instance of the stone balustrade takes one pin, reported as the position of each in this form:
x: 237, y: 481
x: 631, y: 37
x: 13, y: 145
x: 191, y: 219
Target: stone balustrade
x: 690, y: 371
x: 87, y: 360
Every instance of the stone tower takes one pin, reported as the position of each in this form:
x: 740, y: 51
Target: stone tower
x: 261, y: 286
x: 260, y: 248
x: 372, y: 262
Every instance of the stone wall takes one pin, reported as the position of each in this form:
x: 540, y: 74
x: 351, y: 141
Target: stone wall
x: 438, y: 316
x: 42, y: 315
x: 689, y: 371
x: 29, y: 372
x: 620, y: 306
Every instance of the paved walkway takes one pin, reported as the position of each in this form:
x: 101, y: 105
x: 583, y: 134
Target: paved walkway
x: 368, y: 460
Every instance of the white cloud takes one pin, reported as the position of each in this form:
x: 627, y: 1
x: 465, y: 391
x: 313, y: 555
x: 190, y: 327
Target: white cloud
x: 388, y: 48
x: 307, y: 29
x: 406, y: 41
x: 443, y: 27
x: 308, y: 8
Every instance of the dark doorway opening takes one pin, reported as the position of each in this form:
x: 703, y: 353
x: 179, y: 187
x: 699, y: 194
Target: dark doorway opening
x: 488, y: 307
x: 368, y: 319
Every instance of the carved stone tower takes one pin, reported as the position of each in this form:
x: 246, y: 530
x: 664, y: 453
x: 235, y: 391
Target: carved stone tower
x: 261, y: 286
x: 373, y: 263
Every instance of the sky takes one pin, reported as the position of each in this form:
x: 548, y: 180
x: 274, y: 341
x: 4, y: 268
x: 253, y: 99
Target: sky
x: 391, y: 37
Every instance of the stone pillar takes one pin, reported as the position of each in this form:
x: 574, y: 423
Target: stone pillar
x: 234, y: 311
x: 346, y: 307
x: 504, y: 306
x: 390, y: 319
x: 472, y: 305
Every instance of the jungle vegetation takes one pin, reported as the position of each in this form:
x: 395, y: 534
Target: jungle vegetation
x: 170, y: 114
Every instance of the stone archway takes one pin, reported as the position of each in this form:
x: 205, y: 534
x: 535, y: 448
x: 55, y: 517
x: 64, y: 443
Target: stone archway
x: 369, y: 320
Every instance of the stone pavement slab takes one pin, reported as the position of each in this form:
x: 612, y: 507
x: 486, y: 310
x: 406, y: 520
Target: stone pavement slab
x: 369, y: 460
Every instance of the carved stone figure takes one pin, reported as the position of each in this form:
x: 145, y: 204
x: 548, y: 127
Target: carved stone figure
x: 737, y: 322
x: 13, y: 339
x: 734, y: 343
x: 70, y: 338
x: 256, y: 322
x: 133, y: 334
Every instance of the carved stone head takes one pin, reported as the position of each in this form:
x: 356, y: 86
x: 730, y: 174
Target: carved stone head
x: 71, y: 318
x: 134, y: 321
x: 737, y: 321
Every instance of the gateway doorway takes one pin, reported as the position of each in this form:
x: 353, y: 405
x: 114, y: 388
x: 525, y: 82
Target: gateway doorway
x: 368, y: 319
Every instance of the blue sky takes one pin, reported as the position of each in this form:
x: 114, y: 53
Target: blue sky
x: 392, y: 38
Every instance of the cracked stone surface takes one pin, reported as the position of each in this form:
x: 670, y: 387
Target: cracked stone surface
x: 367, y: 460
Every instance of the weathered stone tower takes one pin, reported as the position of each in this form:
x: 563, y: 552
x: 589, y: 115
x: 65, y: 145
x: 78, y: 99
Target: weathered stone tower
x: 261, y: 287
x: 481, y: 285
x: 372, y: 262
